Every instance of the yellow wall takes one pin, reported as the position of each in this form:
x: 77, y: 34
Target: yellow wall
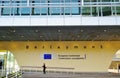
x: 97, y: 59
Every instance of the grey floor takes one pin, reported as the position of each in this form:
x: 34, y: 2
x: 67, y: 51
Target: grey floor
x: 70, y: 75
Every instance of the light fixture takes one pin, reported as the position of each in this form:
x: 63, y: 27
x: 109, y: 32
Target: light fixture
x: 36, y: 31
x: 41, y: 36
x: 59, y: 30
x: 13, y: 30
x: 81, y: 30
x: 105, y: 30
x: 3, y: 36
x: 21, y: 36
x: 97, y: 36
x: 78, y: 36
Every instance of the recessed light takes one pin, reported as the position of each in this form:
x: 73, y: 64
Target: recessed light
x: 59, y: 30
x: 81, y: 30
x: 105, y: 30
x: 41, y: 36
x: 36, y: 31
x: 78, y: 36
x: 97, y: 36
x: 3, y: 36
x: 21, y: 36
x: 13, y: 30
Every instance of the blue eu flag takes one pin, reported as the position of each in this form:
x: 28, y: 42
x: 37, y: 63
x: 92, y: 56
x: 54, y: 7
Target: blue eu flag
x: 47, y: 56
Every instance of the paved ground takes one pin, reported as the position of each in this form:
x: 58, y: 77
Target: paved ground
x: 70, y: 75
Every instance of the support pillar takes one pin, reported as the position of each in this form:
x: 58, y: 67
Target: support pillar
x: 117, y: 68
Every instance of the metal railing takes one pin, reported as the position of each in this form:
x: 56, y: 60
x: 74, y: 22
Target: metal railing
x: 5, y: 73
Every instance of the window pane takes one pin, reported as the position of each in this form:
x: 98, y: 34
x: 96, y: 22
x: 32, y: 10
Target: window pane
x: 5, y: 11
x: 94, y: 11
x: 0, y: 3
x: 16, y: 11
x: 118, y: 10
x: 106, y: 11
x: 113, y: 10
x: 43, y: 11
x: 55, y: 11
x: 67, y: 10
x: 75, y: 10
x: 23, y: 2
x: 86, y: 11
x: 25, y: 11
x: 35, y: 11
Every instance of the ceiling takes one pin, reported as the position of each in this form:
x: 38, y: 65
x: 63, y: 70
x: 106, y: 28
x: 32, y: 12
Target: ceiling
x: 60, y: 33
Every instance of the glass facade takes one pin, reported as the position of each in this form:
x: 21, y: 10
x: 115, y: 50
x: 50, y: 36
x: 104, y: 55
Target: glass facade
x: 8, y: 63
x: 59, y: 7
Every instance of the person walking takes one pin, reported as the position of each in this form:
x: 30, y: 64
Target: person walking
x: 44, y: 68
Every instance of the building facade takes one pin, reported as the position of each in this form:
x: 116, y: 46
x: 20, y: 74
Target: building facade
x: 80, y: 49
x: 67, y: 12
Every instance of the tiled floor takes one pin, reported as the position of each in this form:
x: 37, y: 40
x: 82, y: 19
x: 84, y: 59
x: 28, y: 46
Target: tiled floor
x: 70, y: 75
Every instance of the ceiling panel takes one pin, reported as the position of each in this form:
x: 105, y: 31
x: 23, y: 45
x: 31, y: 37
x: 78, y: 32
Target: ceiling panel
x: 60, y: 33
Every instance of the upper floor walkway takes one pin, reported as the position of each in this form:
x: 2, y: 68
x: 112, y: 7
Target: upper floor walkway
x: 59, y: 12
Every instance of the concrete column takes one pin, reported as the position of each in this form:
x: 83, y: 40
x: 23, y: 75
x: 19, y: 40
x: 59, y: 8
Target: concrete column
x: 82, y: 2
x: 28, y: 2
x: 117, y: 68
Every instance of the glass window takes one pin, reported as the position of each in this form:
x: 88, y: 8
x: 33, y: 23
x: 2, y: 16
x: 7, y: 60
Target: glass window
x: 25, y: 11
x: 94, y: 11
x: 35, y: 11
x: 67, y: 10
x: 118, y: 10
x: 6, y: 3
x: 113, y: 10
x: 54, y: 10
x: 5, y: 11
x: 23, y: 2
x: 15, y: 11
x: 0, y: 3
x: 106, y: 11
x: 44, y: 11
x: 67, y: 1
x: 75, y: 10
x: 86, y: 11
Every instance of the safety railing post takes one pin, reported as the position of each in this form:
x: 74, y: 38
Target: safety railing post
x: 21, y: 73
x: 16, y: 73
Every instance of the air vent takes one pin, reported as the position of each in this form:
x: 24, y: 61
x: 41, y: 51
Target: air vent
x: 43, y: 47
x: 93, y: 46
x: 27, y: 47
x: 50, y: 46
x: 35, y: 47
x: 67, y: 47
x: 85, y: 47
x: 58, y: 47
x: 75, y: 46
x: 101, y: 46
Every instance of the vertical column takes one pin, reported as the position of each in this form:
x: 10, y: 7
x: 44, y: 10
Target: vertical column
x: 28, y: 2
x: 90, y: 8
x: 101, y: 8
x: 117, y: 68
x: 82, y: 2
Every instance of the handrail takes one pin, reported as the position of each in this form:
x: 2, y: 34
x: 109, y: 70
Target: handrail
x: 48, y: 67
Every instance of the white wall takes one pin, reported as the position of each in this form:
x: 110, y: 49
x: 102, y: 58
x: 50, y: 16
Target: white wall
x: 58, y: 20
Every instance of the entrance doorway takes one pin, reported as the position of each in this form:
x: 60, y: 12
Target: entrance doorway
x: 115, y: 64
x: 8, y: 63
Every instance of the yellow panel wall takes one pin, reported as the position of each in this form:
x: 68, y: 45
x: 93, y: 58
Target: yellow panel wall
x: 98, y: 54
